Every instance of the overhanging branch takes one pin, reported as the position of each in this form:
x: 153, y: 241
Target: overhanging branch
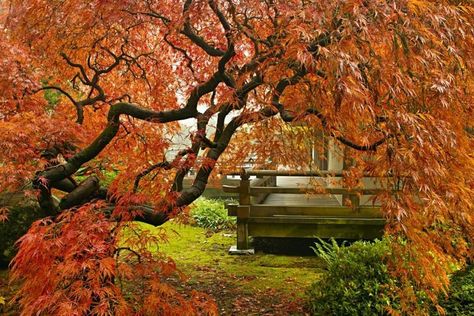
x: 77, y: 105
x: 165, y: 165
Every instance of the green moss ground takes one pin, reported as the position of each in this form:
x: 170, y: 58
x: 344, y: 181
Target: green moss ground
x: 260, y: 284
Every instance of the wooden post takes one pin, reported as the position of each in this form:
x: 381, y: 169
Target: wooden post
x: 243, y: 213
x: 355, y: 201
x: 352, y: 197
x: 273, y: 182
x: 244, y: 193
x: 243, y: 227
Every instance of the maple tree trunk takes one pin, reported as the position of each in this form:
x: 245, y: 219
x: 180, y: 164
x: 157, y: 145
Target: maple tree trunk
x: 58, y: 177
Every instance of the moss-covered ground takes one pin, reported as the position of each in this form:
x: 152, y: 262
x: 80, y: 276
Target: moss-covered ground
x: 260, y: 284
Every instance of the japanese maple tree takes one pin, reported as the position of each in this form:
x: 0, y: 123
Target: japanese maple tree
x: 91, y: 88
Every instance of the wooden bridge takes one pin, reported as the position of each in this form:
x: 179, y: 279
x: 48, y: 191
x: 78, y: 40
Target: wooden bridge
x: 286, y: 204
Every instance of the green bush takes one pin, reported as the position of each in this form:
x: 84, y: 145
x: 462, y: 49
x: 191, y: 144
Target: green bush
x: 460, y: 300
x: 22, y: 213
x: 356, y: 282
x: 211, y: 214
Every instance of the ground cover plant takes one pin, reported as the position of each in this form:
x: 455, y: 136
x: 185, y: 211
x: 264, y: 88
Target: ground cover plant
x: 460, y: 297
x: 357, y: 281
x: 148, y: 91
x: 211, y: 214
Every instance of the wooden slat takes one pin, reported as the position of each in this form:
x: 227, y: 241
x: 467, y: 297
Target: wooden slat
x: 287, y: 173
x: 288, y: 190
x: 312, y: 230
x: 313, y: 173
x: 258, y: 198
x: 310, y: 220
x: 231, y: 209
x: 259, y: 181
x: 254, y: 190
x: 231, y: 188
x: 301, y: 199
x: 243, y: 212
x: 263, y: 210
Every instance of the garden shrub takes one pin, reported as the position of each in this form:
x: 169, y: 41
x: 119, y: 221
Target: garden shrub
x: 22, y: 212
x: 357, y: 281
x: 460, y: 300
x: 211, y: 214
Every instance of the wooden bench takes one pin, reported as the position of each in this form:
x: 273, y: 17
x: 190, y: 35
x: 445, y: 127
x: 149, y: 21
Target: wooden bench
x: 267, y: 210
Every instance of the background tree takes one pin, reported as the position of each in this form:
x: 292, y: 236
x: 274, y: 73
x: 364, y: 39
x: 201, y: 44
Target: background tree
x: 91, y: 87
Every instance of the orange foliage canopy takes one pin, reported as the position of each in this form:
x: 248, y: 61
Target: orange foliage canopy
x: 93, y: 87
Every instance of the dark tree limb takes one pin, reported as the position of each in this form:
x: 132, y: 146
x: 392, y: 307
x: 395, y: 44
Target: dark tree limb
x: 288, y: 117
x: 187, y: 29
x: 196, y: 39
x: 188, y: 195
x: 165, y: 165
x: 183, y: 52
x: 206, y: 142
x: 77, y: 105
x: 81, y: 194
x: 83, y: 73
x: 47, y: 202
x: 65, y: 185
x: 150, y: 215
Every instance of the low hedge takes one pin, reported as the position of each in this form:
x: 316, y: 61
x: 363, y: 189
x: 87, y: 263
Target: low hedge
x: 356, y: 281
x: 460, y: 300
x: 211, y: 214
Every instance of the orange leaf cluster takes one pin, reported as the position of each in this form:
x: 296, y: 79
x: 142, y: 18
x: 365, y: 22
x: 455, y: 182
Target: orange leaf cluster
x: 82, y: 263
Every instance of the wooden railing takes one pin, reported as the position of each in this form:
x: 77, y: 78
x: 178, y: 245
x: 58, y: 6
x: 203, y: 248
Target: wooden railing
x: 254, y: 218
